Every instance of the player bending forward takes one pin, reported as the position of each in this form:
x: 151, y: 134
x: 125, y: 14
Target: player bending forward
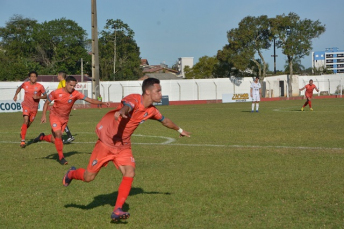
x: 114, y: 131
x: 64, y: 99
x: 309, y: 94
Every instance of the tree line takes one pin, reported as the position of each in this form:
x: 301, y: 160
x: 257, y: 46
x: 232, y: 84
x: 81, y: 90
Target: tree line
x: 59, y: 45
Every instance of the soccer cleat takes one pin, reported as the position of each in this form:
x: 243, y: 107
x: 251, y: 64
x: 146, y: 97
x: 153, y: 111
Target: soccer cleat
x: 311, y: 109
x: 257, y: 111
x: 63, y: 161
x: 38, y: 139
x: 66, y: 181
x: 252, y: 111
x: 22, y: 144
x: 119, y: 214
x: 68, y: 140
x: 301, y: 108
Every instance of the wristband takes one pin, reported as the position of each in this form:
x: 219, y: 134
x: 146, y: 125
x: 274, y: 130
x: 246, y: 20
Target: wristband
x: 180, y: 130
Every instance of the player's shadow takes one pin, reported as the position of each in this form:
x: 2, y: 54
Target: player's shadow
x: 55, y: 156
x: 110, y: 199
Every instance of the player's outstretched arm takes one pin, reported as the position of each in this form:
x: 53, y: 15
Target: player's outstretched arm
x: 169, y: 124
x: 96, y: 102
x: 302, y: 88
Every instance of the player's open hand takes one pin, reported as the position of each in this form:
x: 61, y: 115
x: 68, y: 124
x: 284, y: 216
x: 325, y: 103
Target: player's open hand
x: 107, y: 104
x: 15, y: 98
x: 185, y: 133
x: 43, y: 119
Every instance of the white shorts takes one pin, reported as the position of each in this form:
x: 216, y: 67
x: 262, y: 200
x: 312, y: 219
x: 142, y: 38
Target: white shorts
x: 255, y: 98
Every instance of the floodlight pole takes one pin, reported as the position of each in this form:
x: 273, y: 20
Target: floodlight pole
x: 95, y: 53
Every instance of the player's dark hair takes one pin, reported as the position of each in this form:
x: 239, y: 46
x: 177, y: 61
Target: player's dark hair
x: 149, y: 82
x: 33, y: 72
x: 63, y: 74
x: 70, y: 78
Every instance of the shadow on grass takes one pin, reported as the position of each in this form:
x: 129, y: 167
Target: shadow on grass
x: 64, y: 137
x: 55, y: 156
x: 110, y: 199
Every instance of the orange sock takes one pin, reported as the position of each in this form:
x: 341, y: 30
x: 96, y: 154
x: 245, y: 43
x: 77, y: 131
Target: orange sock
x: 59, y: 147
x: 23, y: 131
x: 310, y: 104
x: 123, y: 191
x: 77, y: 174
x: 46, y: 138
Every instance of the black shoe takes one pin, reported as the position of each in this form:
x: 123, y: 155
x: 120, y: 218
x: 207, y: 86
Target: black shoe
x: 68, y: 140
x: 119, y: 214
x: 63, y: 161
x: 38, y: 139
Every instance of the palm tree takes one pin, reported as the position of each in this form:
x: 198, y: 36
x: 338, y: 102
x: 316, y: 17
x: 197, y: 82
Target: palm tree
x: 297, y: 66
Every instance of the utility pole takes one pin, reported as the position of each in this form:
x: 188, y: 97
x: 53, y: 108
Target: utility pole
x: 114, y: 57
x: 95, y: 53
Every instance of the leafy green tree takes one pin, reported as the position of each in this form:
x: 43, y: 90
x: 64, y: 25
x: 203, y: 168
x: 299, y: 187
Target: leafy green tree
x: 59, y: 45
x: 294, y: 37
x: 250, y: 38
x: 203, y: 69
x: 117, y: 42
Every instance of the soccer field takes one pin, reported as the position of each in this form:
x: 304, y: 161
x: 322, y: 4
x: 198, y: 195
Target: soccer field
x: 279, y: 168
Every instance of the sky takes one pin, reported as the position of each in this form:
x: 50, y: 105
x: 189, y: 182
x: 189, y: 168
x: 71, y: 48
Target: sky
x: 166, y: 30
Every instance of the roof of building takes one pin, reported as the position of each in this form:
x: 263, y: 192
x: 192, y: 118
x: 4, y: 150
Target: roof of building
x: 161, y: 76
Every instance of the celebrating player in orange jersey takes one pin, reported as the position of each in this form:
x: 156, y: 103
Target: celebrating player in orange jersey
x: 114, y: 131
x: 33, y: 93
x: 309, y: 94
x: 64, y: 99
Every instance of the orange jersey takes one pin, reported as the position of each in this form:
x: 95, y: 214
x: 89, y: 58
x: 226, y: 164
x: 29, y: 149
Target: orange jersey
x: 63, y: 102
x: 118, y: 132
x: 309, y: 90
x: 30, y: 91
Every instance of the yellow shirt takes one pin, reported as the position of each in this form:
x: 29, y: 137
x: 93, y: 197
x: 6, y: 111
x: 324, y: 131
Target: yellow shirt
x: 61, y: 84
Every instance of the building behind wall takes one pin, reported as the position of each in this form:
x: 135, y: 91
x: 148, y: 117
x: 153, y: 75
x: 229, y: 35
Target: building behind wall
x: 331, y: 59
x: 182, y: 62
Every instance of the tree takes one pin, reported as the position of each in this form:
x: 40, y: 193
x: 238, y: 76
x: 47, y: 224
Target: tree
x: 59, y: 45
x: 297, y: 66
x: 250, y: 38
x: 203, y: 69
x: 294, y: 37
x: 117, y: 43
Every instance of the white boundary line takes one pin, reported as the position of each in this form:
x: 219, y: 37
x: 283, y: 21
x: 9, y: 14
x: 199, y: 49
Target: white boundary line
x: 169, y: 140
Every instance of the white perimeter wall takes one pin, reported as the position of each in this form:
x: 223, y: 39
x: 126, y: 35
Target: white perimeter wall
x: 198, y: 89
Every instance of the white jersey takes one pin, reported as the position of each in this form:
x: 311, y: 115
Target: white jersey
x: 255, y: 91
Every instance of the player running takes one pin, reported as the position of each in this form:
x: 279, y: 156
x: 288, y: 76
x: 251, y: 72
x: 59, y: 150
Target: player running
x: 61, y: 76
x: 255, y: 92
x: 114, y: 145
x: 64, y: 99
x: 309, y: 94
x: 33, y: 93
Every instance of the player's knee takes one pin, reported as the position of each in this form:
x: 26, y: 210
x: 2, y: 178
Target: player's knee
x: 88, y: 177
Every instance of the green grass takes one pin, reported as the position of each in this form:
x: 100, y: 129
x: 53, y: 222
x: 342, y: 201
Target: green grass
x: 279, y: 168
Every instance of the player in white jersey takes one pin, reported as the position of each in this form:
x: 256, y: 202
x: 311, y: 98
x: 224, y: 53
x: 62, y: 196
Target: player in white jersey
x: 255, y: 92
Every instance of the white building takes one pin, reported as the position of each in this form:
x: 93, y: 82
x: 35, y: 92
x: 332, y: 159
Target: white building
x: 331, y: 59
x: 182, y: 62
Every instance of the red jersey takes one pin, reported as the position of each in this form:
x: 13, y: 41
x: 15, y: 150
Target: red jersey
x: 63, y: 102
x: 309, y: 89
x: 30, y: 91
x: 118, y: 132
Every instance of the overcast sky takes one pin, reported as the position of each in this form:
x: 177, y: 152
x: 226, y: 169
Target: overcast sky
x: 168, y: 29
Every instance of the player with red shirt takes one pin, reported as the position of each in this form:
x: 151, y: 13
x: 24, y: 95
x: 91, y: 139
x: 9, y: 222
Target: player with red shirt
x: 309, y: 94
x: 33, y: 93
x: 114, y: 145
x: 64, y: 99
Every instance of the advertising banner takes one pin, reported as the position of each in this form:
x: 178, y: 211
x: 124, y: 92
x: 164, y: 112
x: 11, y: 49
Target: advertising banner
x: 234, y: 98
x: 11, y: 106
